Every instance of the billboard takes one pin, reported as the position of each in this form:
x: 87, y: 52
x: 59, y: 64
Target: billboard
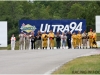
x: 54, y: 25
x: 97, y: 22
x: 3, y: 33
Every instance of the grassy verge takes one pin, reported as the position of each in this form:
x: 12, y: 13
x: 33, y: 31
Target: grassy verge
x: 82, y: 65
x: 98, y: 36
x: 16, y: 46
x: 3, y: 48
x: 9, y: 47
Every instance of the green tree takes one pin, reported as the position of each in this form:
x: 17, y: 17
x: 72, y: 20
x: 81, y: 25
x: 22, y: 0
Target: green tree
x: 76, y: 11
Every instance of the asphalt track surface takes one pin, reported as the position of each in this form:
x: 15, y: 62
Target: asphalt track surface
x: 38, y: 61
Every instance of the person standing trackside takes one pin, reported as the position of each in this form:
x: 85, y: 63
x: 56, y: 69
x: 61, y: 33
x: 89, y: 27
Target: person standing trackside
x: 33, y: 39
x: 79, y: 37
x: 63, y: 40
x: 94, y: 35
x: 94, y: 39
x: 44, y: 40
x: 30, y: 40
x: 74, y: 38
x: 84, y: 38
x: 13, y: 40
x: 38, y: 40
x: 51, y: 38
x: 21, y: 41
x: 27, y: 41
x: 90, y: 35
x: 58, y: 39
x: 69, y: 39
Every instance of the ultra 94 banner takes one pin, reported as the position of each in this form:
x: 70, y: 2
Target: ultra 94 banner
x: 54, y: 25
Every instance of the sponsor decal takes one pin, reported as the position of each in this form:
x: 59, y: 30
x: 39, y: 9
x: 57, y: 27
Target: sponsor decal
x: 54, y: 25
x: 27, y: 28
x: 62, y: 28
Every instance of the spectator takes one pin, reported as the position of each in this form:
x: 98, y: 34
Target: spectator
x: 13, y: 40
x: 58, y: 39
x: 63, y: 40
x: 38, y: 40
x: 69, y: 39
x: 51, y: 38
x: 21, y: 41
x: 33, y: 39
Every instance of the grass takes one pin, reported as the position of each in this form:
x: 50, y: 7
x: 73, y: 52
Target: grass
x: 82, y: 65
x: 9, y: 47
x: 3, y: 48
x: 98, y: 36
x: 16, y: 46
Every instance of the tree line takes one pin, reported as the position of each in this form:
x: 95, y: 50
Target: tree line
x: 13, y: 11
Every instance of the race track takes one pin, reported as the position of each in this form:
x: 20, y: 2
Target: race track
x: 37, y: 61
